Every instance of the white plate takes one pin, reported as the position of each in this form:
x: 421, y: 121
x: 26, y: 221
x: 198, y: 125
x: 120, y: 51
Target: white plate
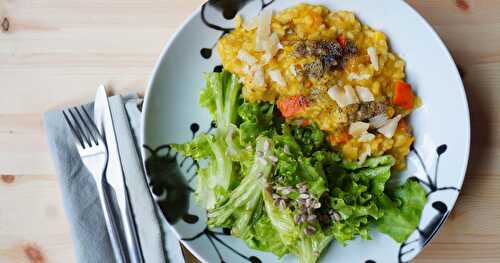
x: 441, y: 127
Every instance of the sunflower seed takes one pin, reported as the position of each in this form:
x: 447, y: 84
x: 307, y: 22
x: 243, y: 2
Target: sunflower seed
x: 308, y: 202
x: 309, y: 230
x: 311, y: 218
x: 299, y: 219
x: 336, y: 216
x: 303, y: 210
x: 317, y: 205
x: 310, y: 211
x: 281, y: 203
x: 286, y: 191
x: 273, y: 158
x: 304, y: 196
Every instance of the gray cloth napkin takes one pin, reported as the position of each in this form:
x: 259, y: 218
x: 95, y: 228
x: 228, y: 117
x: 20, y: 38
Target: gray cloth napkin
x: 80, y: 198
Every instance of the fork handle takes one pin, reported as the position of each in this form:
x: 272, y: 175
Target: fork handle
x: 111, y: 224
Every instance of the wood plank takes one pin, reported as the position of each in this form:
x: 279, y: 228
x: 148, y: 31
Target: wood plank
x: 32, y: 221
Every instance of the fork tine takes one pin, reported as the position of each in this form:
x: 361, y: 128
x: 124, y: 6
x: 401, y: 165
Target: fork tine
x: 92, y: 125
x: 75, y: 133
x: 86, y: 125
x: 80, y: 129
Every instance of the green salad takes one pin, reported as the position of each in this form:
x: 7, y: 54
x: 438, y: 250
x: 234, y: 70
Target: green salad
x: 281, y: 188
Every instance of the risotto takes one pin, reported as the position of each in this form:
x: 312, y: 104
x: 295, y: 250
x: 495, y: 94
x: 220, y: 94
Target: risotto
x: 327, y: 68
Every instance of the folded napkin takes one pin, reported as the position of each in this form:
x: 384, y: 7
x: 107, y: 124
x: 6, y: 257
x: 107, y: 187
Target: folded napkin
x: 80, y: 198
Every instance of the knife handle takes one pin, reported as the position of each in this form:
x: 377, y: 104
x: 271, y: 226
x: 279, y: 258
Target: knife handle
x: 131, y: 235
x: 111, y: 224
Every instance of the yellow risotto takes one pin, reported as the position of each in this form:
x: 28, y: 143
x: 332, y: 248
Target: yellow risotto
x: 327, y: 68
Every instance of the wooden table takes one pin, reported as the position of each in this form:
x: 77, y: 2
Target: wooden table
x: 56, y: 52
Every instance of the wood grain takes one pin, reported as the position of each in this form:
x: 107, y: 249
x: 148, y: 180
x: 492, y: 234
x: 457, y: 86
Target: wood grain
x: 56, y: 52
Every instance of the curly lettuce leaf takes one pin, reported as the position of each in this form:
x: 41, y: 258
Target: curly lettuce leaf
x: 348, y: 229
x: 257, y: 119
x: 310, y: 138
x: 236, y: 150
x: 354, y: 195
x: 243, y: 201
x: 401, y: 216
x: 215, y: 178
x: 221, y: 98
x: 282, y: 220
x: 264, y: 237
x: 302, y: 157
x: 198, y: 148
x: 308, y: 249
x: 371, y: 162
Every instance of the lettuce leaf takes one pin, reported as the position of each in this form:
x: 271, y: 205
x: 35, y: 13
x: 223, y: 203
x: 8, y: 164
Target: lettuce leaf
x: 401, y: 216
x: 308, y: 249
x: 355, y: 189
x: 221, y: 97
x: 243, y: 201
x: 257, y: 119
x: 281, y: 220
x: 266, y: 238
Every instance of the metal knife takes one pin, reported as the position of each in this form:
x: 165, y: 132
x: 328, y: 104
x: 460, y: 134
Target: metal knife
x: 114, y: 174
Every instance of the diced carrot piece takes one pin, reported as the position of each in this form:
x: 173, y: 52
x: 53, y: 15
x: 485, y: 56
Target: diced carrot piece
x: 305, y: 123
x: 290, y: 106
x: 403, y: 95
x: 339, y: 138
x: 342, y: 40
x: 308, y: 84
x: 404, y: 126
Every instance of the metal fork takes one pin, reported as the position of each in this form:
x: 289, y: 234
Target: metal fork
x: 94, y: 154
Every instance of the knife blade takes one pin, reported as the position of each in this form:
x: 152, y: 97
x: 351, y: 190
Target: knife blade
x: 114, y: 173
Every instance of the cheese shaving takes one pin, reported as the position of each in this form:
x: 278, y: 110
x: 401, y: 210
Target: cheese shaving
x: 390, y: 127
x: 258, y: 76
x: 358, y: 128
x: 364, y: 154
x: 366, y: 137
x: 364, y: 94
x: 350, y: 94
x: 379, y: 120
x: 246, y: 57
x: 343, y: 97
x: 263, y: 29
x: 276, y: 76
x: 373, y: 57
